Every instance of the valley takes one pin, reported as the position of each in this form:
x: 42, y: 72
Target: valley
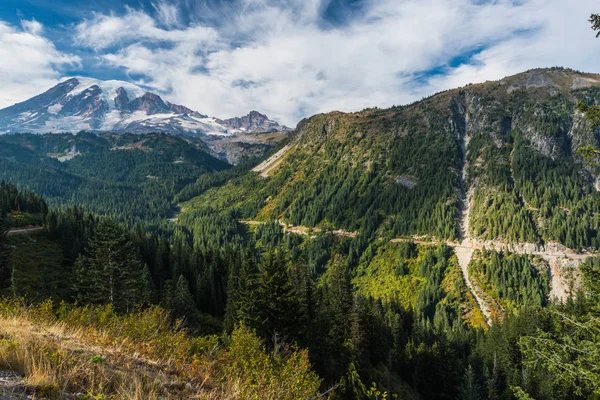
x: 423, y: 237
x: 299, y: 200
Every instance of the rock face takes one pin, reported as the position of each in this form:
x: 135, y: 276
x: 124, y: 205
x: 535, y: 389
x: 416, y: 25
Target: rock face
x: 243, y: 147
x: 79, y: 103
x: 254, y: 122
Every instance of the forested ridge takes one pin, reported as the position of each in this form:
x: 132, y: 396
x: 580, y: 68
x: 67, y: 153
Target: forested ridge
x: 397, y: 171
x: 132, y: 178
x: 353, y: 317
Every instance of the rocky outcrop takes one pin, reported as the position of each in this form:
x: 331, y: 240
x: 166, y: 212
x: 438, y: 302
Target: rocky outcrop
x: 254, y: 122
x: 243, y: 147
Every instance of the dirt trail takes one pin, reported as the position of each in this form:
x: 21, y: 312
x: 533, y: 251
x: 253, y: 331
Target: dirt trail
x: 303, y: 230
x: 24, y: 230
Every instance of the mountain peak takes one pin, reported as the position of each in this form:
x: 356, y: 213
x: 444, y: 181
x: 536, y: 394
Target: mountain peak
x: 81, y: 103
x: 254, y: 121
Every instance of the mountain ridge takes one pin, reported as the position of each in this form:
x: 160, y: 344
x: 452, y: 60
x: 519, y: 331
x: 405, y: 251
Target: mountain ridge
x: 531, y: 115
x: 87, y: 104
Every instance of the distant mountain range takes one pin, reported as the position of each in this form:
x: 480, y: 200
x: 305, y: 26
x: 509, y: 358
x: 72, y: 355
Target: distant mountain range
x: 85, y: 104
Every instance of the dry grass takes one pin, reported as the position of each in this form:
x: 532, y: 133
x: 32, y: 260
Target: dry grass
x: 55, y: 361
x: 98, y: 354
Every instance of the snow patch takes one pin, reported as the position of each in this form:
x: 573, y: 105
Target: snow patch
x: 55, y: 108
x: 108, y: 88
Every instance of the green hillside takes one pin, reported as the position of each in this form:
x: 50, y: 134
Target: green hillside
x: 367, y: 258
x: 133, y: 178
x: 397, y: 172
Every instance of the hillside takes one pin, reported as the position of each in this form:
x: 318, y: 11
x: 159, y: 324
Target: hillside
x: 487, y: 166
x: 132, y: 177
x: 402, y: 166
x: 93, y: 353
x: 436, y: 250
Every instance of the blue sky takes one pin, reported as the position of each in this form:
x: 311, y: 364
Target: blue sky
x: 288, y: 58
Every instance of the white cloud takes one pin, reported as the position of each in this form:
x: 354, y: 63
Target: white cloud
x: 276, y: 56
x: 105, y: 31
x: 564, y: 38
x: 30, y: 62
x: 167, y: 14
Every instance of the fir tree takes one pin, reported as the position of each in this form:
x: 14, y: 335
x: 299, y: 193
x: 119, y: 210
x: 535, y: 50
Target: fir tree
x: 168, y: 295
x: 469, y: 388
x: 183, y: 301
x: 278, y: 310
x: 232, y: 301
x: 148, y: 295
x: 247, y: 293
x: 110, y: 273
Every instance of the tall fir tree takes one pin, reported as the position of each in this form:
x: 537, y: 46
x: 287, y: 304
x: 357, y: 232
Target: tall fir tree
x: 304, y: 292
x: 247, y: 293
x: 148, y: 295
x: 469, y: 388
x: 278, y: 305
x: 231, y: 305
x: 110, y: 272
x: 183, y: 301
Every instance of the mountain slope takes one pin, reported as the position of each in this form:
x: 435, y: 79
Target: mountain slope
x: 132, y: 177
x: 79, y: 103
x: 398, y: 172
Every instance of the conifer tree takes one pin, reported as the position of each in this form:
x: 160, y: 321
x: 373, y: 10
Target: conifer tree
x: 334, y: 318
x: 148, y: 295
x: 247, y: 293
x: 110, y: 272
x: 183, y: 301
x: 305, y: 302
x: 338, y: 300
x: 231, y: 304
x: 469, y: 388
x: 278, y: 310
x: 168, y: 295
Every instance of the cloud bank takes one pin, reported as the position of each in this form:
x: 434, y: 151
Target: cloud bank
x: 30, y: 62
x: 287, y: 59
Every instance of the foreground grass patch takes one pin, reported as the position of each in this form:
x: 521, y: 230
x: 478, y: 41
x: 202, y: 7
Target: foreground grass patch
x: 102, y: 355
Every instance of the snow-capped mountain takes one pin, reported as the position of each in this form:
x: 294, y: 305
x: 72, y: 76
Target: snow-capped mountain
x: 79, y: 103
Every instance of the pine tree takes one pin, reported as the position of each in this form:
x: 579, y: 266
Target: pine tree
x: 247, y: 293
x: 110, y: 272
x: 232, y: 301
x: 278, y: 310
x: 148, y: 295
x: 168, y: 295
x: 183, y: 301
x: 84, y: 285
x: 338, y: 300
x: 469, y: 388
x: 304, y: 297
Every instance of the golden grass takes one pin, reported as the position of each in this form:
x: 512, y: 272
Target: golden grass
x: 54, y: 361
x: 102, y: 355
